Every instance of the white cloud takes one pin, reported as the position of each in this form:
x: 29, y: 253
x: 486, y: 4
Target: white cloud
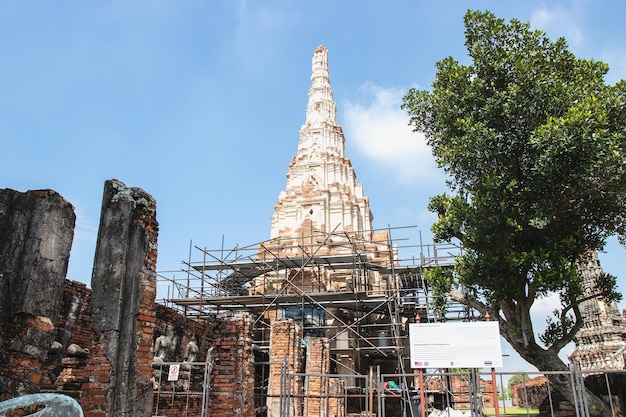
x: 584, y: 39
x: 85, y: 231
x: 560, y: 22
x: 542, y: 309
x: 617, y: 65
x: 380, y: 130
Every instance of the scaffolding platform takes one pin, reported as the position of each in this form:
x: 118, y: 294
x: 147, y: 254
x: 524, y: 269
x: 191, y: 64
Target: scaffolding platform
x: 355, y: 291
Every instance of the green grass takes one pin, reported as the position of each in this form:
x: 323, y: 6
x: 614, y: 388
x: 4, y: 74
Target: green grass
x: 511, y: 411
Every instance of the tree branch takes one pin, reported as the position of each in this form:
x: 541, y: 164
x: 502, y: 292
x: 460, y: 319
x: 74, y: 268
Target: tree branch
x: 462, y: 298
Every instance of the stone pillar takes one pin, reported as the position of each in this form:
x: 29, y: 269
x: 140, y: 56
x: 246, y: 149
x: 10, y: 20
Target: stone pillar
x: 284, y: 387
x: 317, y: 368
x: 36, y: 232
x: 123, y: 298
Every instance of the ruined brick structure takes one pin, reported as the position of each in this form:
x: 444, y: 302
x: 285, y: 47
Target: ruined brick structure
x: 231, y: 380
x: 97, y: 345
x: 233, y: 376
x: 533, y: 393
x: 36, y: 232
x: 458, y: 388
x: 529, y: 393
x: 317, y: 364
x: 601, y: 342
x: 324, y: 396
x: 285, y: 363
x: 123, y: 300
x: 225, y: 347
x: 64, y: 369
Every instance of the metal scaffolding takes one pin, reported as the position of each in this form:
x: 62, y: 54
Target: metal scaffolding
x: 352, y: 288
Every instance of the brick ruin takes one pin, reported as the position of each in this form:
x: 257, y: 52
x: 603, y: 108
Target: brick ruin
x: 533, y: 393
x: 36, y: 233
x: 97, y: 345
x: 122, y: 300
x: 601, y: 342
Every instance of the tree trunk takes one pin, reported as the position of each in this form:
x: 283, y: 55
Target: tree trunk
x: 596, y: 406
x: 547, y: 360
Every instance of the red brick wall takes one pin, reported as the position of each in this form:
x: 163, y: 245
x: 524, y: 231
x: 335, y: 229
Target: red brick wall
x: 232, y: 375
x: 96, y: 387
x: 317, y: 363
x: 460, y: 388
x: 232, y: 378
x: 337, y: 398
x: 204, y: 331
x: 21, y: 370
x: 285, y: 355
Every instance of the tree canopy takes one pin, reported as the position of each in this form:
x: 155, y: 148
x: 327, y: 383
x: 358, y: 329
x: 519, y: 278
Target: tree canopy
x: 534, y: 142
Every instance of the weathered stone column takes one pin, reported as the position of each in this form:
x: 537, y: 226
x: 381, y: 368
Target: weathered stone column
x: 36, y: 232
x: 123, y: 296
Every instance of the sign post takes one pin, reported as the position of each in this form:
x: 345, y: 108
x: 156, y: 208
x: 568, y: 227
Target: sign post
x: 173, y: 372
x: 455, y: 345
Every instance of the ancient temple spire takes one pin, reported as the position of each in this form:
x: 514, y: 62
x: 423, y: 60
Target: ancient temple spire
x: 601, y: 342
x: 321, y: 110
x: 321, y: 194
x: 321, y: 107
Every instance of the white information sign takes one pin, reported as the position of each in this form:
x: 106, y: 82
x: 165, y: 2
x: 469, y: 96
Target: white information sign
x: 173, y: 374
x: 455, y: 345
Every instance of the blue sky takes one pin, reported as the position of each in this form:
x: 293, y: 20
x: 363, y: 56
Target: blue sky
x: 200, y: 104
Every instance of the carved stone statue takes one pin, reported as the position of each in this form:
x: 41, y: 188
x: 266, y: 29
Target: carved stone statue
x: 164, y: 345
x: 191, y: 351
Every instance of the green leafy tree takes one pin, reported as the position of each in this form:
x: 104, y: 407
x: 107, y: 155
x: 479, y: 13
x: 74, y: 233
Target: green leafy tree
x: 516, y: 379
x: 533, y: 141
x: 506, y: 393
